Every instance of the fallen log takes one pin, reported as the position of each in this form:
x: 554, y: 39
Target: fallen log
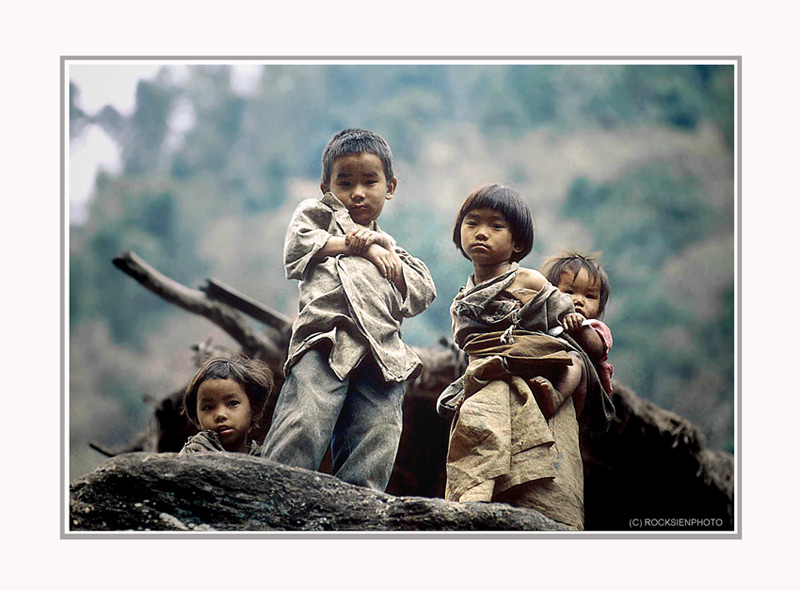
x: 234, y: 492
x: 219, y: 291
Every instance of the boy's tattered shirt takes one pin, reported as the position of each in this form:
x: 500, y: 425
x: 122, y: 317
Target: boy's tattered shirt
x: 345, y: 300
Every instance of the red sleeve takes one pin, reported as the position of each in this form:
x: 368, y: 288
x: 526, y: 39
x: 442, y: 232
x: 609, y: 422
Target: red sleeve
x: 605, y: 335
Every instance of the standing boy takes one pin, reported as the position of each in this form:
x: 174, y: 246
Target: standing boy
x: 347, y: 363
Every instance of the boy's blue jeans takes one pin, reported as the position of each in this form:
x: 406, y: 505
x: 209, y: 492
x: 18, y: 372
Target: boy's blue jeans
x: 361, y: 418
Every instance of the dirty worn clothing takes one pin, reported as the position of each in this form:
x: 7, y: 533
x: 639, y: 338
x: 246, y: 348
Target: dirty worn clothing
x: 604, y: 369
x: 561, y: 497
x: 347, y: 363
x: 345, y: 300
x: 502, y: 448
x: 500, y: 440
x: 208, y: 441
x: 488, y: 307
x: 360, y: 417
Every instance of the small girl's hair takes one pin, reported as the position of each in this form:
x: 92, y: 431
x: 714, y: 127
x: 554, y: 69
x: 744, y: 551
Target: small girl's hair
x: 573, y: 262
x: 253, y: 376
x: 513, y: 208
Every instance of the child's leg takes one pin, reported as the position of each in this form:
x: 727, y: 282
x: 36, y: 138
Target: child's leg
x: 551, y: 391
x: 305, y: 413
x: 547, y: 396
x: 367, y: 434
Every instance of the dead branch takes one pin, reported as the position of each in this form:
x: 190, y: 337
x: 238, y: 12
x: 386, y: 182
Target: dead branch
x: 254, y: 344
x: 219, y: 291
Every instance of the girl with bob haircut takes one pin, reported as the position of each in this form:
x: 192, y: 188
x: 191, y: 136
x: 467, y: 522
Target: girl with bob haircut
x: 507, y: 202
x: 225, y: 400
x: 514, y: 436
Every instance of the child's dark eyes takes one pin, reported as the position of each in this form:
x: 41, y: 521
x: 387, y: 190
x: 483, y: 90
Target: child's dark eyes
x: 234, y: 403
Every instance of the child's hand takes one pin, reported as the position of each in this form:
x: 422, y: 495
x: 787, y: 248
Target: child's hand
x: 387, y: 261
x: 587, y: 337
x: 358, y: 240
x: 573, y: 322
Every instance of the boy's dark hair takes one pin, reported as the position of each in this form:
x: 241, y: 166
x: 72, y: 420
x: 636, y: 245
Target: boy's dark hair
x: 513, y: 208
x: 573, y: 262
x: 349, y: 142
x: 254, y: 377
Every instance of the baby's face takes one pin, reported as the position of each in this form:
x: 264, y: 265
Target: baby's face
x: 223, y: 406
x: 359, y: 182
x: 584, y: 292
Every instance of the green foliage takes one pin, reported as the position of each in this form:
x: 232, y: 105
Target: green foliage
x: 655, y: 207
x: 141, y: 152
x: 143, y: 215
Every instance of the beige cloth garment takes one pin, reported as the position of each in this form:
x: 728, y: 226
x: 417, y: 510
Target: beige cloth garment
x: 502, y: 449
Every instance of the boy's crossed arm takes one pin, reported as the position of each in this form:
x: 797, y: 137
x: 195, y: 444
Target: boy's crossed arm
x: 374, y: 246
x: 358, y: 240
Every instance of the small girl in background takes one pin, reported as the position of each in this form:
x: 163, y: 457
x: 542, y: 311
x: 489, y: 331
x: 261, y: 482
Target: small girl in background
x: 583, y: 279
x: 225, y: 400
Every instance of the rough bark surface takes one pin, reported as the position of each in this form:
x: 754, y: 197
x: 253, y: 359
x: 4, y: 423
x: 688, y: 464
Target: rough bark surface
x: 233, y: 492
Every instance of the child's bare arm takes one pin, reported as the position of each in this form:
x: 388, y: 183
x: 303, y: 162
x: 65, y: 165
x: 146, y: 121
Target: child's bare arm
x: 586, y: 336
x: 385, y: 259
x: 355, y: 242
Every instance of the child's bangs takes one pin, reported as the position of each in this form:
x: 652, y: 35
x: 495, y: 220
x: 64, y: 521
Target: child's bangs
x: 496, y: 201
x: 577, y: 265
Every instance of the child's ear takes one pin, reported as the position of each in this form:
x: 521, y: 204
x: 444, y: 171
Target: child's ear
x: 517, y: 247
x: 391, y: 187
x: 324, y: 188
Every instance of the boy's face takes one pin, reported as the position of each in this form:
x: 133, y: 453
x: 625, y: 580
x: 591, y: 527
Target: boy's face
x: 223, y: 406
x: 486, y: 237
x: 584, y: 292
x: 358, y: 181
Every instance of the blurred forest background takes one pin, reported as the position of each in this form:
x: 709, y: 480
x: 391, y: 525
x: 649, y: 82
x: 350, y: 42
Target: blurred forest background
x: 635, y: 161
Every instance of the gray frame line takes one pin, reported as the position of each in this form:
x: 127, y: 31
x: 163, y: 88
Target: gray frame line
x: 736, y: 534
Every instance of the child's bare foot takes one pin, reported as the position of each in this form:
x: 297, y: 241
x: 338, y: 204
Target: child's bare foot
x: 548, y: 397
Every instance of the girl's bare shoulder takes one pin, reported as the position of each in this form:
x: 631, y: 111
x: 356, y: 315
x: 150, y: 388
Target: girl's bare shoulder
x: 528, y: 279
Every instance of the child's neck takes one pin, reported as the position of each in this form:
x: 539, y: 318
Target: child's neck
x: 483, y: 273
